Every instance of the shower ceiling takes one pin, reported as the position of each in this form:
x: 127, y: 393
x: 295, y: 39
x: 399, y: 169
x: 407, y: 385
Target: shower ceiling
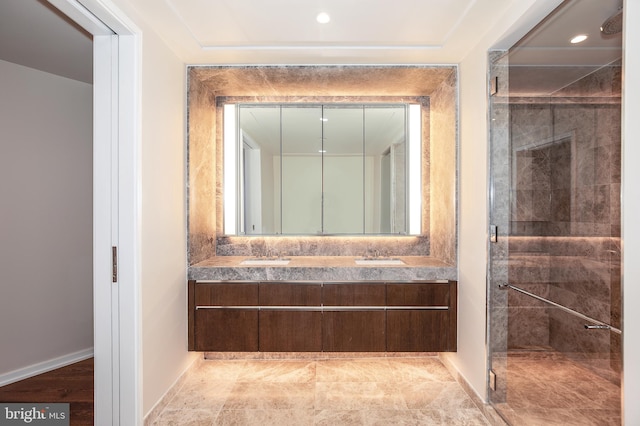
x: 546, y: 61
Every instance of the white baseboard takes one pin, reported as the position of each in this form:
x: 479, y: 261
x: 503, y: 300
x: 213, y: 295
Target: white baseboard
x: 45, y: 366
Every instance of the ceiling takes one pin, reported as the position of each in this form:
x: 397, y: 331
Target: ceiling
x: 286, y: 32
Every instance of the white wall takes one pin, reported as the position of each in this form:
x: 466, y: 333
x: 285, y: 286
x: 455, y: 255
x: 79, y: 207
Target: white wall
x: 163, y: 218
x: 46, y: 282
x: 164, y: 248
x: 631, y: 213
x: 516, y: 20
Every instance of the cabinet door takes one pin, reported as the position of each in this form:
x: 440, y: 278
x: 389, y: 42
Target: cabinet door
x: 290, y: 318
x: 417, y: 331
x: 419, y: 317
x: 354, y: 317
x: 226, y: 317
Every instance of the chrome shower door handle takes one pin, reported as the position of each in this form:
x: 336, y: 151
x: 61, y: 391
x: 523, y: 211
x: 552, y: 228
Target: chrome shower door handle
x: 597, y: 327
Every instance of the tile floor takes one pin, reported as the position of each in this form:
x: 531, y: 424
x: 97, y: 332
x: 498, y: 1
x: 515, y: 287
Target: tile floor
x: 375, y: 391
x: 550, y: 388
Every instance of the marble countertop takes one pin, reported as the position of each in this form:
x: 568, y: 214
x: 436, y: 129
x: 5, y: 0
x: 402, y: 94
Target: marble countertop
x: 323, y: 268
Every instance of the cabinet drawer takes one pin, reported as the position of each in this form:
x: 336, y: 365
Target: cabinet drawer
x: 290, y: 294
x: 354, y: 331
x: 418, y: 331
x: 226, y: 294
x: 418, y: 294
x: 353, y: 294
x: 226, y: 330
x: 285, y: 331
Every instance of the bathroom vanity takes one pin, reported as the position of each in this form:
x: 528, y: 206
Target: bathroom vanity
x: 357, y: 161
x: 325, y: 313
x: 301, y: 316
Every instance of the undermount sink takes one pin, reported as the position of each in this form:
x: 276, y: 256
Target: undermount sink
x: 379, y: 261
x: 258, y: 261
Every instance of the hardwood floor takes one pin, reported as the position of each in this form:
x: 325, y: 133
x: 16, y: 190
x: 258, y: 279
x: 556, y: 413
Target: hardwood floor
x: 72, y: 384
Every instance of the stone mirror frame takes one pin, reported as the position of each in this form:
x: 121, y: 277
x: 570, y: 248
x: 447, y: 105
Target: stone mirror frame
x: 211, y: 87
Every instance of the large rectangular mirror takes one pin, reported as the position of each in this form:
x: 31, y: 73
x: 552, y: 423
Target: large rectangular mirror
x: 321, y: 169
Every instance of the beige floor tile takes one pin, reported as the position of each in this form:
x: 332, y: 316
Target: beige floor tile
x: 220, y: 371
x: 436, y: 395
x: 341, y: 392
x: 334, y: 417
x: 436, y: 417
x: 550, y: 388
x: 565, y: 417
x: 360, y: 370
x: 278, y: 371
x: 551, y: 371
x: 419, y: 370
x: 185, y: 418
x: 201, y: 394
x: 358, y: 396
x: 265, y: 417
x: 269, y: 396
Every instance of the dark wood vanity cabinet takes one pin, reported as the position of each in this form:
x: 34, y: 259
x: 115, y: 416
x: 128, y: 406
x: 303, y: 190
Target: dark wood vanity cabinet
x: 223, y: 317
x: 281, y: 316
x: 290, y: 318
x: 353, y: 317
x: 421, y: 317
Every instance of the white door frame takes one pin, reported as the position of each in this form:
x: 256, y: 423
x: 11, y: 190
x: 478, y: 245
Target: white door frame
x: 116, y: 194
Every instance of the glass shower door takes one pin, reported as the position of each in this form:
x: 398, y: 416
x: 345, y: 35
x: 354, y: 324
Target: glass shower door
x: 554, y: 287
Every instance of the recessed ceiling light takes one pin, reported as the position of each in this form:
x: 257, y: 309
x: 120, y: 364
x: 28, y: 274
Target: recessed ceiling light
x: 579, y: 38
x: 323, y: 17
x: 324, y: 119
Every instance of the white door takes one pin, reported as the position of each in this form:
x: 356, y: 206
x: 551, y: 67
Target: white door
x: 117, y: 397
x: 252, y: 211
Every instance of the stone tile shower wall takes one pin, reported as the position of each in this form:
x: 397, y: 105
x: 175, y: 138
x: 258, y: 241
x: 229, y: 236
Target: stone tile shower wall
x: 565, y: 216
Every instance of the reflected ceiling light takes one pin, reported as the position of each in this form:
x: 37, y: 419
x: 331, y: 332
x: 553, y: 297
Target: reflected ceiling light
x: 323, y: 18
x: 579, y: 38
x: 324, y: 119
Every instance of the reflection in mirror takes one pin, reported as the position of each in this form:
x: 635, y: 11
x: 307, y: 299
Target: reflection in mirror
x: 321, y: 169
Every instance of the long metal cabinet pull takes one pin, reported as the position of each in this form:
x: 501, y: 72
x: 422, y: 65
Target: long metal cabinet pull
x: 599, y: 325
x: 324, y: 308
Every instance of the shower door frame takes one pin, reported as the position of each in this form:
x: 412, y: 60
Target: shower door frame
x: 627, y: 411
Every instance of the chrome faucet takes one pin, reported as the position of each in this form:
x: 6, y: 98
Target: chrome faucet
x: 372, y: 255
